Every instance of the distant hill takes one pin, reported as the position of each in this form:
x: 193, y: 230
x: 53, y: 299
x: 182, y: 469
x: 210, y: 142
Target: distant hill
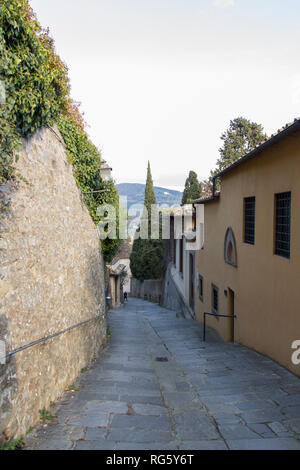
x: 135, y: 194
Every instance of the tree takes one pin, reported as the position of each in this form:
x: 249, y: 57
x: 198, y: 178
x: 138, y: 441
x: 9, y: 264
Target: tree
x: 192, y: 190
x: 150, y: 198
x: 241, y: 137
x: 146, y: 260
x: 150, y: 204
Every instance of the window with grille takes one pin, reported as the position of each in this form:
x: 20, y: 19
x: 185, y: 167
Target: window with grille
x: 201, y: 288
x: 249, y: 220
x: 181, y: 256
x: 283, y: 224
x: 215, y: 299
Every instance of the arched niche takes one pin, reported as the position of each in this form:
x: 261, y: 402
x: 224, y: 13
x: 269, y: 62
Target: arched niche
x: 230, y: 254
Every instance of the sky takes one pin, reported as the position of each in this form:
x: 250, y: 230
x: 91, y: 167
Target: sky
x: 160, y: 80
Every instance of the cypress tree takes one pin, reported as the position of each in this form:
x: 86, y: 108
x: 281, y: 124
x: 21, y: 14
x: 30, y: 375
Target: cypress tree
x: 150, y: 203
x: 146, y: 261
x: 192, y: 190
x: 150, y: 198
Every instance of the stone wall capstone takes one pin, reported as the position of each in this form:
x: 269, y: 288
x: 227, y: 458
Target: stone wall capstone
x: 51, y: 278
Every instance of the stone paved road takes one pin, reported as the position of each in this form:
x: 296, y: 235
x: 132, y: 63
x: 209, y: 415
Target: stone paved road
x: 201, y: 396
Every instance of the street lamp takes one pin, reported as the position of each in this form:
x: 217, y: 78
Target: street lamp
x: 105, y: 172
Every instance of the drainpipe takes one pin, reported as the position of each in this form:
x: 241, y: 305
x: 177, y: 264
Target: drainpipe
x: 214, y: 187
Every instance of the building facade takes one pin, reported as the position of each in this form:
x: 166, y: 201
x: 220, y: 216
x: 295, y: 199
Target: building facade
x: 117, y: 274
x: 123, y: 258
x: 179, y: 288
x: 250, y: 263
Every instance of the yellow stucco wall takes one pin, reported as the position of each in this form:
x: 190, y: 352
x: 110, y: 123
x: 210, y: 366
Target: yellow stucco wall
x: 266, y: 286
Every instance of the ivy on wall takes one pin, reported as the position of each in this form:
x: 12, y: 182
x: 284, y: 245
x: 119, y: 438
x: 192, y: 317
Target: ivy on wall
x: 35, y: 80
x: 37, y: 95
x: 86, y: 161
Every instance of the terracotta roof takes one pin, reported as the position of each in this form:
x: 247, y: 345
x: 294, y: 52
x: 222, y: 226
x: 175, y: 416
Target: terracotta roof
x: 281, y: 133
x: 205, y: 199
x: 116, y: 271
x: 124, y: 252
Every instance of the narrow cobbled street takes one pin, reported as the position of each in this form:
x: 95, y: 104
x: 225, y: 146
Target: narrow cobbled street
x: 157, y: 386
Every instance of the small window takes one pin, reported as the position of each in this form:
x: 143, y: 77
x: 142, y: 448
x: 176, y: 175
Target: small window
x: 230, y: 254
x: 181, y: 256
x: 249, y: 220
x: 200, y: 286
x: 283, y: 224
x: 174, y: 251
x: 215, y: 299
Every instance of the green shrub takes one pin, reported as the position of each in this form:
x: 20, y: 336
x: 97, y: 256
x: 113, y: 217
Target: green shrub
x: 12, y: 445
x: 146, y: 261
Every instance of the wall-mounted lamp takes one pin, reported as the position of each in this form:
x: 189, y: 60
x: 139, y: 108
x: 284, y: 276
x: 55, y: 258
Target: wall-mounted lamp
x: 105, y: 172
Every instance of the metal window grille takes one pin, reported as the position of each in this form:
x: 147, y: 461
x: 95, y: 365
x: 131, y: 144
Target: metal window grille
x: 215, y: 299
x: 181, y: 256
x: 201, y: 288
x: 283, y: 224
x: 249, y: 220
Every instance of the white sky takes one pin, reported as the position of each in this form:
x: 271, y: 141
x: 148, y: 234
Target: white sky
x: 160, y: 80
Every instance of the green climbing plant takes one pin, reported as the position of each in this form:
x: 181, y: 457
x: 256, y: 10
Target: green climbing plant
x: 35, y: 80
x: 86, y: 161
x: 37, y: 91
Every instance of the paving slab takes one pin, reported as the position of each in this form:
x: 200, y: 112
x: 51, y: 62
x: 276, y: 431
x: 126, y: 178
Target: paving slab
x: 149, y: 410
x: 264, y: 444
x: 54, y: 444
x: 236, y: 431
x: 139, y: 436
x: 146, y: 446
x: 203, y: 445
x: 159, y: 423
x: 92, y: 421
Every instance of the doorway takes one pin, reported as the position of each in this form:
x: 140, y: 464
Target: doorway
x: 231, y: 311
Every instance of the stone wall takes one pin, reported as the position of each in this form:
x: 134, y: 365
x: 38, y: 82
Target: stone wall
x: 51, y: 278
x: 148, y: 290
x: 172, y: 298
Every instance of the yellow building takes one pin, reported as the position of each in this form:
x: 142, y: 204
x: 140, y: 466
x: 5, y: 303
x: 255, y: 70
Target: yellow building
x: 250, y: 263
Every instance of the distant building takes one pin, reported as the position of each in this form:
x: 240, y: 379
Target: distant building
x: 179, y: 284
x: 123, y: 258
x: 120, y: 275
x: 115, y: 287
